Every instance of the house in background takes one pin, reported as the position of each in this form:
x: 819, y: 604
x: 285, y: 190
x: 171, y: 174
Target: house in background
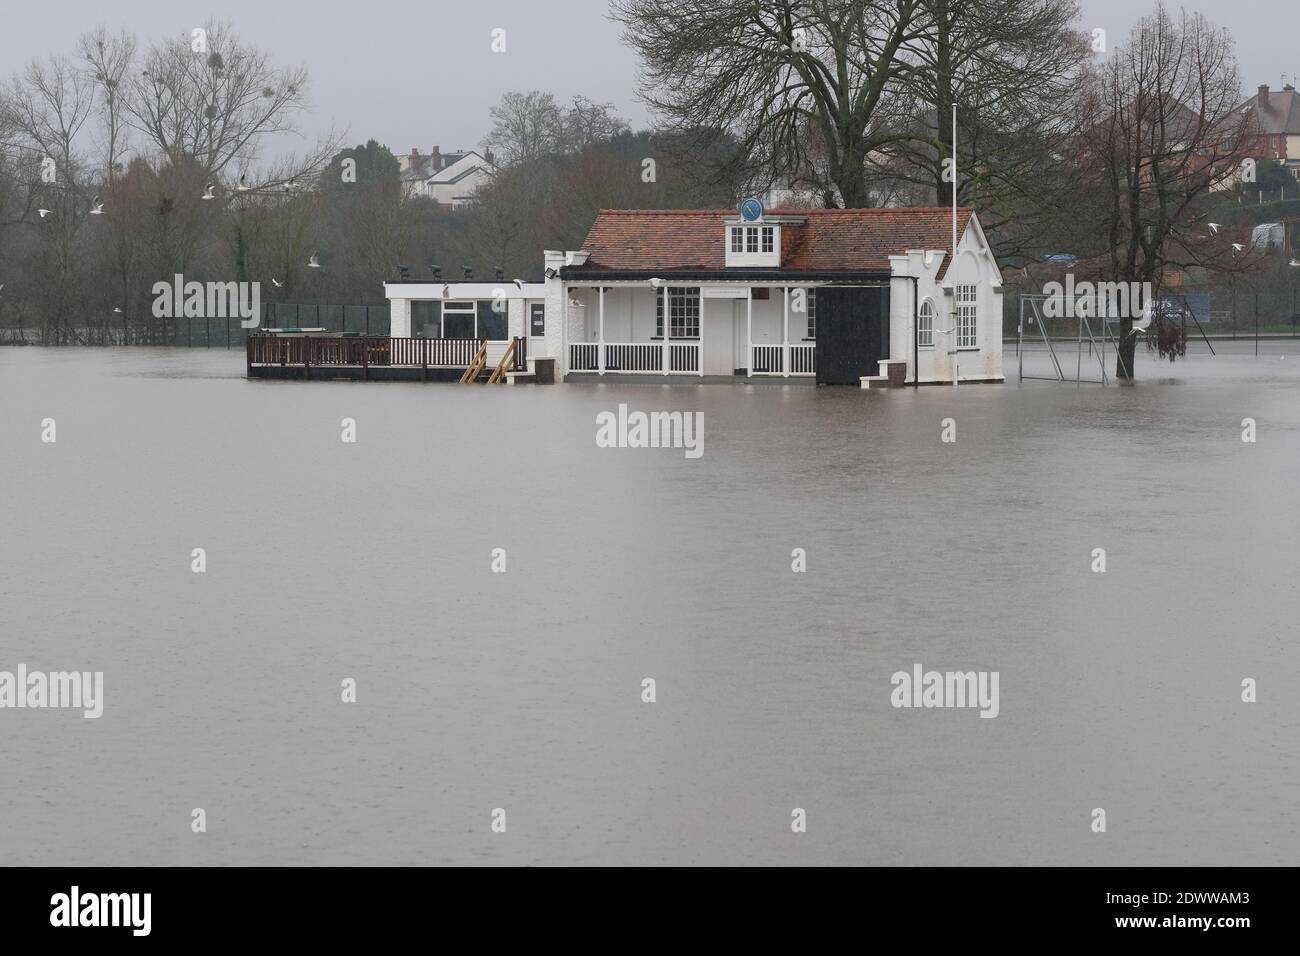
x: 449, y: 179
x: 1274, y: 124
x: 836, y: 296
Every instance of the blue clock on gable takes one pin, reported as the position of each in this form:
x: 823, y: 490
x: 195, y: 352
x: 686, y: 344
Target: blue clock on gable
x: 751, y: 210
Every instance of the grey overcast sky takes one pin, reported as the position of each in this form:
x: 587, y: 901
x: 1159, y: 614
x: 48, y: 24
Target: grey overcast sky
x: 422, y: 73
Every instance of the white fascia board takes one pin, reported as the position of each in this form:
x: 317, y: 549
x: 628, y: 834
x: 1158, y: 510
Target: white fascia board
x: 463, y: 290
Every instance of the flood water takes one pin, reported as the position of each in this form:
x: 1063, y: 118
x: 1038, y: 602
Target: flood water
x: 522, y: 690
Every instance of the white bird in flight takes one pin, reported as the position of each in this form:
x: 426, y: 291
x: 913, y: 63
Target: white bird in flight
x: 42, y: 213
x: 243, y: 186
x: 1237, y: 247
x: 1294, y: 262
x: 208, y: 192
x: 1214, y: 227
x: 313, y: 262
x: 277, y: 283
x: 1141, y: 324
x: 97, y: 207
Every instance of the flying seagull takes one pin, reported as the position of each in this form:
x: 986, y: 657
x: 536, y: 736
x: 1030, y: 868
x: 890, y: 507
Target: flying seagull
x: 243, y: 186
x: 118, y: 310
x: 1214, y: 227
x: 1237, y: 247
x: 277, y: 283
x: 1140, y: 324
x: 1294, y: 262
x: 208, y: 192
x: 97, y: 207
x: 42, y: 213
x: 519, y: 283
x: 313, y: 262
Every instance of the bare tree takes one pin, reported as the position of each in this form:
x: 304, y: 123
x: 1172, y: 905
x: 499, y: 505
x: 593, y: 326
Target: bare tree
x: 526, y: 126
x: 586, y: 124
x: 772, y: 71
x: 47, y: 107
x: 1166, y: 136
x: 1012, y: 69
x: 107, y: 60
x: 210, y: 107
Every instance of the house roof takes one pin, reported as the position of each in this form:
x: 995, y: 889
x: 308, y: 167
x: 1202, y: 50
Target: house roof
x: 420, y: 166
x: 849, y: 241
x: 461, y: 166
x: 1282, y: 115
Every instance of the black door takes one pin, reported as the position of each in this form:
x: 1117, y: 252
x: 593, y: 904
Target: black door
x: 852, y: 334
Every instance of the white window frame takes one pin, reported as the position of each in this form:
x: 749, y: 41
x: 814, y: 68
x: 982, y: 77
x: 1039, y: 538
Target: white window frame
x: 458, y: 307
x: 925, y: 325
x: 753, y: 245
x: 679, y: 311
x: 810, y: 304
x: 966, y: 305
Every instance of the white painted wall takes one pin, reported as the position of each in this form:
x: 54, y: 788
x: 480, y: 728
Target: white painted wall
x: 556, y: 312
x: 975, y: 264
x: 402, y: 294
x: 630, y: 315
x: 399, y: 317
x: 572, y: 313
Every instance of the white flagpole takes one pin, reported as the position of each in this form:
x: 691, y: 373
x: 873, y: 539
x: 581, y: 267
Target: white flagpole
x: 954, y: 181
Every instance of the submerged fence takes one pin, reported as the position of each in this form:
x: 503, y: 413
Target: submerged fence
x: 1223, y: 313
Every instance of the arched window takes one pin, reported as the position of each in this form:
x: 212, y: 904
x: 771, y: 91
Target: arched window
x: 925, y: 325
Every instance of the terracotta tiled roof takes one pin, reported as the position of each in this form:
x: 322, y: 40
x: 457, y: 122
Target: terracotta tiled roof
x: 830, y: 240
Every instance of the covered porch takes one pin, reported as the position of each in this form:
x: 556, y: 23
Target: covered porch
x: 737, y: 329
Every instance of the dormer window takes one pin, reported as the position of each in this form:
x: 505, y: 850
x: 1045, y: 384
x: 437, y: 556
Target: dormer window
x: 753, y: 245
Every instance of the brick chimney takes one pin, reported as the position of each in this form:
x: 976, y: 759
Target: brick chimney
x: 1262, y: 98
x: 436, y: 160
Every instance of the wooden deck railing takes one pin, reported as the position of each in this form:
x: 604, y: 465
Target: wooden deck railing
x: 373, y: 350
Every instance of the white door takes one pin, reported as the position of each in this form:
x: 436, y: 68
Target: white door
x: 717, y: 337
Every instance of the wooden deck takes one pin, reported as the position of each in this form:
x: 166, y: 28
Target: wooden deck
x: 374, y: 357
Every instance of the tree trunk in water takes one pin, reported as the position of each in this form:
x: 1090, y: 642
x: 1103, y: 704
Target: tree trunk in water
x: 1126, y: 352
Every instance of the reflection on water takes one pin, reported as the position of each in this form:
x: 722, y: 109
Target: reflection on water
x: 522, y: 690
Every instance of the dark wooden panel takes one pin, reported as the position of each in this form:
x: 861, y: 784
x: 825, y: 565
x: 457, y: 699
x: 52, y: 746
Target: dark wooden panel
x: 852, y: 334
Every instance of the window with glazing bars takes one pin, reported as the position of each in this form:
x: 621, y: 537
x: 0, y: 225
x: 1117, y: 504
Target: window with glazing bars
x: 966, y: 316
x: 683, y: 311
